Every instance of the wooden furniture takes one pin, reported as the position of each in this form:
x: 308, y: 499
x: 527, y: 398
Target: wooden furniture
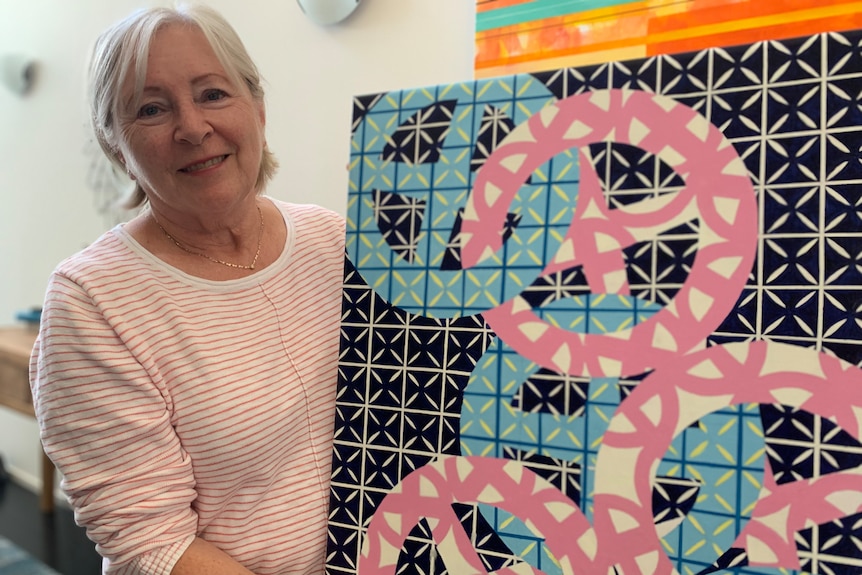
x: 16, y: 343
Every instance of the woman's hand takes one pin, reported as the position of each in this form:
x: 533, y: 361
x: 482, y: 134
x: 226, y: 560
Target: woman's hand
x: 204, y: 558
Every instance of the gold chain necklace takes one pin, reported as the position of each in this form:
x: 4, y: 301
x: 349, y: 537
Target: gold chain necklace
x: 215, y: 260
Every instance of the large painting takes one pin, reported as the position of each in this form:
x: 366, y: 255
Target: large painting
x: 607, y: 320
x: 517, y: 36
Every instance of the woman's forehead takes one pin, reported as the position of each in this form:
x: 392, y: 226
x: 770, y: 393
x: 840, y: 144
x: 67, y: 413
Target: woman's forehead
x: 175, y: 50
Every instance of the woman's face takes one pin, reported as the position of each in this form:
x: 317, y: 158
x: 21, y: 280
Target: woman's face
x: 195, y: 142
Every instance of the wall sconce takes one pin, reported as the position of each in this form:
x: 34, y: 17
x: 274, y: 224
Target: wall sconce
x: 17, y: 72
x: 326, y: 12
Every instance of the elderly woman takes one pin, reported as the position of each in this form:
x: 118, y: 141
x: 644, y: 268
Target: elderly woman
x: 184, y: 376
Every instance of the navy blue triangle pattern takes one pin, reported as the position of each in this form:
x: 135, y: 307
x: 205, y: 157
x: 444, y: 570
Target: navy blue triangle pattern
x: 673, y: 498
x: 567, y: 82
x: 657, y: 269
x: 399, y: 219
x: 361, y: 106
x: 553, y: 287
x: 548, y: 391
x: 801, y: 445
x: 630, y: 175
x: 831, y: 548
x: 564, y: 475
x: 419, y: 139
x: 496, y: 125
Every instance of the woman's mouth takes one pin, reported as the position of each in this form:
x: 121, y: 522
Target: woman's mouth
x: 203, y: 165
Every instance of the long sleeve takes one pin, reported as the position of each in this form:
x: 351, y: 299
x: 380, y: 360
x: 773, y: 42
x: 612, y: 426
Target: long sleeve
x: 108, y: 426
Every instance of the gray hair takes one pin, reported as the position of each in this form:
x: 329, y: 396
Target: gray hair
x: 123, y: 49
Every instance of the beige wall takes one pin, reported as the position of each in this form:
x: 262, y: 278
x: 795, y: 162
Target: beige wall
x: 311, y: 72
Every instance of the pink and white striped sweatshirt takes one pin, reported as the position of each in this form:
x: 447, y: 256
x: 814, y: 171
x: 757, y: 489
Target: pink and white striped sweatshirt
x: 175, y: 406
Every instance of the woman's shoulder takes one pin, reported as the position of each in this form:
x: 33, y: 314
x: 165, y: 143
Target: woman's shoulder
x: 306, y: 210
x: 104, y: 253
x: 312, y: 219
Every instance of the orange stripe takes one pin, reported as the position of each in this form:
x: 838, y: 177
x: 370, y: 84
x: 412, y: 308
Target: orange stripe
x: 488, y: 5
x: 705, y: 12
x: 776, y: 32
x: 664, y: 27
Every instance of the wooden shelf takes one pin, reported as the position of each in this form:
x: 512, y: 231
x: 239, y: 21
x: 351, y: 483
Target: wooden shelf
x: 16, y: 344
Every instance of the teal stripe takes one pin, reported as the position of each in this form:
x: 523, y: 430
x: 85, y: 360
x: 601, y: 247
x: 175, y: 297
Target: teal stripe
x: 538, y: 10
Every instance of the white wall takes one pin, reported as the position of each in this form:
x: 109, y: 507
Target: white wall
x: 47, y: 210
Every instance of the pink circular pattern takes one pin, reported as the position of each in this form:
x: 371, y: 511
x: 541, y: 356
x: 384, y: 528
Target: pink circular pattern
x: 679, y: 394
x: 429, y: 492
x: 717, y: 192
x: 623, y: 534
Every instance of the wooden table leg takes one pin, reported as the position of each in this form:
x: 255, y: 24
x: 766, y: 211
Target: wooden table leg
x: 46, y: 501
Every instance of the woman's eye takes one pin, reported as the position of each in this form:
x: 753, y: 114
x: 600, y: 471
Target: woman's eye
x: 214, y: 95
x: 148, y: 111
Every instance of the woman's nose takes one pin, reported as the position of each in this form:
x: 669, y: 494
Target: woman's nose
x: 192, y: 126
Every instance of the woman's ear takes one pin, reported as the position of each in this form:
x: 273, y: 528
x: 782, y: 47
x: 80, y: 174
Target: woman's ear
x: 125, y: 165
x: 261, y: 110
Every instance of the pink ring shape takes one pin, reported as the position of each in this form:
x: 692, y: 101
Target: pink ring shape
x: 429, y: 493
x: 717, y: 192
x: 677, y: 395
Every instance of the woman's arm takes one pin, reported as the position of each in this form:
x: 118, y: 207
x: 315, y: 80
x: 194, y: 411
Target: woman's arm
x: 203, y: 558
x: 107, y: 427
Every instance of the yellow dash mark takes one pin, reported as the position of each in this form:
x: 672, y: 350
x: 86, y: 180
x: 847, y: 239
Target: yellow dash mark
x: 694, y: 548
x: 725, y: 453
x: 756, y: 456
x: 723, y: 527
x: 752, y: 479
x: 701, y: 447
x: 693, y: 520
x: 724, y: 478
x: 724, y: 503
x: 724, y: 428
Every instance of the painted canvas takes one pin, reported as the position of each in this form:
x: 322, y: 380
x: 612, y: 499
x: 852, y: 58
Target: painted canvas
x: 518, y: 36
x: 607, y: 320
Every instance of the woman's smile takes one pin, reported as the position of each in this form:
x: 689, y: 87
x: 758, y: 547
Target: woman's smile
x: 198, y: 166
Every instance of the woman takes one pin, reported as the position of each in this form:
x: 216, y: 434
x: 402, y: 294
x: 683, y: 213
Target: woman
x: 184, y: 376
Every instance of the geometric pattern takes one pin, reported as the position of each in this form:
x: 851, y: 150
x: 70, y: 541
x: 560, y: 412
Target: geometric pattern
x: 361, y: 105
x: 802, y: 445
x: 831, y: 548
x: 495, y: 126
x: 452, y: 257
x: 399, y: 219
x: 418, y: 139
x: 533, y: 305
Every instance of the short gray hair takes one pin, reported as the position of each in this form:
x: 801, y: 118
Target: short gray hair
x: 126, y: 44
